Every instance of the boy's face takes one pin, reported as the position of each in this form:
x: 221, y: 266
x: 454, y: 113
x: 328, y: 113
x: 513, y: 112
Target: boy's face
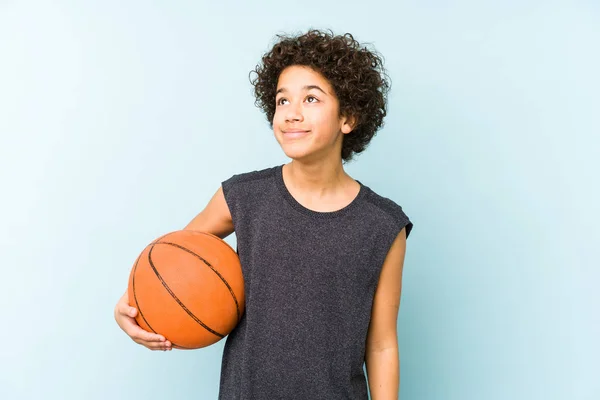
x: 306, y: 123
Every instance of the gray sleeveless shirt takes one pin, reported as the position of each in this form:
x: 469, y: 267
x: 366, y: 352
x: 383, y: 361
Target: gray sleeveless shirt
x: 310, y: 278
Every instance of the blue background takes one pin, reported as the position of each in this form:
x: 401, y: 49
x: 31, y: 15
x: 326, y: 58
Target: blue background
x: 119, y: 120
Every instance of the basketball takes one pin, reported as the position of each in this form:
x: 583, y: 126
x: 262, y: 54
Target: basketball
x: 188, y: 286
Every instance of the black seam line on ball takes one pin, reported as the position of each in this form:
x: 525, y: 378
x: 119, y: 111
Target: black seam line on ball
x: 138, y: 304
x: 173, y: 294
x: 135, y: 296
x: 237, y: 306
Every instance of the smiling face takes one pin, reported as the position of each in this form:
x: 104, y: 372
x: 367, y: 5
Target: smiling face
x: 307, y: 123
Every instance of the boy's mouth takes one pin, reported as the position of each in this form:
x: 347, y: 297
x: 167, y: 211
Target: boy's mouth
x: 294, y: 133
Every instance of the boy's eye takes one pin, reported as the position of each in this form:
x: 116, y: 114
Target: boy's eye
x: 307, y: 97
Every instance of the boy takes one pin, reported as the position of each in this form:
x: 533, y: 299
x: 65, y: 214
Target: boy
x: 322, y: 254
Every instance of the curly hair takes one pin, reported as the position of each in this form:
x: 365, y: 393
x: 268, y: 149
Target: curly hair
x: 356, y: 74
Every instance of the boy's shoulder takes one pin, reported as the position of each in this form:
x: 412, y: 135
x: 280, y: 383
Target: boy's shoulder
x: 390, y: 208
x: 252, y: 175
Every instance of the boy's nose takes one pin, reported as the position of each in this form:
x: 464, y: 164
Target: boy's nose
x: 294, y: 114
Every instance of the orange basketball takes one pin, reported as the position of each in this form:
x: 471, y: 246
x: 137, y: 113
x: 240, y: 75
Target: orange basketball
x: 188, y: 286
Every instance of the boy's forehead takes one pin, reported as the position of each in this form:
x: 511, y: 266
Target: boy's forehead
x: 301, y: 78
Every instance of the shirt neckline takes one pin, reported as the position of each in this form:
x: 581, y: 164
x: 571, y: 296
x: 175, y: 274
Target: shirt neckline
x: 307, y: 211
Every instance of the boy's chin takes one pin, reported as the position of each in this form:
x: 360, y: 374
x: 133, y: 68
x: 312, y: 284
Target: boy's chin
x: 296, y: 152
x: 302, y: 156
x: 294, y: 155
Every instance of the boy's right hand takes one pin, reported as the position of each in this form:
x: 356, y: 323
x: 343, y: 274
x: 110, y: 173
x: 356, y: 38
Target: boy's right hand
x: 125, y: 317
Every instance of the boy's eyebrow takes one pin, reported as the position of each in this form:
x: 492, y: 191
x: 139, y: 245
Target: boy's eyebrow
x: 307, y: 87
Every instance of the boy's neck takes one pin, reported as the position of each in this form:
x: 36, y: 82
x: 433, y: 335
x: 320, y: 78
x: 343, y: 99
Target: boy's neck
x: 320, y: 178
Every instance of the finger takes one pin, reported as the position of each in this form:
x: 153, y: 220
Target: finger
x: 164, y: 346
x: 128, y: 310
x: 131, y: 327
x: 141, y: 334
x: 132, y: 312
x: 155, y: 346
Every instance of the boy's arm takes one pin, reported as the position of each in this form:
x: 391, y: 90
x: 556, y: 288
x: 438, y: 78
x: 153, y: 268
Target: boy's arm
x: 215, y: 218
x: 381, y: 353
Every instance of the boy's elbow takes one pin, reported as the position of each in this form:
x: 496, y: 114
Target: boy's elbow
x: 205, y: 222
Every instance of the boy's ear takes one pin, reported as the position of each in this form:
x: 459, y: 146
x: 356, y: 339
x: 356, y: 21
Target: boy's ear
x: 348, y: 123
